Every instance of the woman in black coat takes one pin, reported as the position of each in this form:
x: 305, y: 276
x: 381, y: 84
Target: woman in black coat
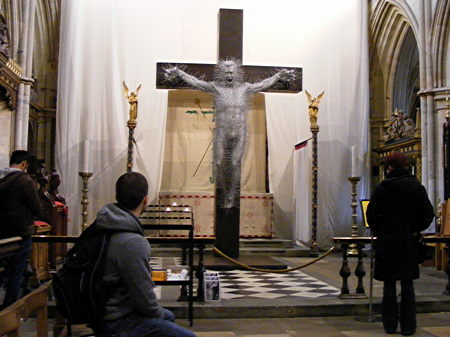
x: 399, y: 209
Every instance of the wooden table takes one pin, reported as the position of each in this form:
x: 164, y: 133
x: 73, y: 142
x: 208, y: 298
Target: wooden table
x: 345, y: 272
x: 360, y: 241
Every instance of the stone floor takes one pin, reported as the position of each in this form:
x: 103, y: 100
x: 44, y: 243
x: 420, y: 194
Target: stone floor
x: 429, y: 325
x: 290, y: 316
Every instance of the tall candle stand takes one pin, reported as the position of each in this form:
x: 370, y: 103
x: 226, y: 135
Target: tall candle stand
x: 353, y: 249
x: 131, y: 126
x: 313, y: 111
x: 84, y: 198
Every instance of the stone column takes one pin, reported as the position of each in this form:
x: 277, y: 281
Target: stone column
x: 21, y: 55
x: 431, y: 120
x: 28, y: 73
x: 25, y: 55
x: 5, y: 135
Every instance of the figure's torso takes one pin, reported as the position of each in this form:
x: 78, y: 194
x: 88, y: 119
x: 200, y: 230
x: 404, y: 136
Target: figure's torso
x: 231, y: 104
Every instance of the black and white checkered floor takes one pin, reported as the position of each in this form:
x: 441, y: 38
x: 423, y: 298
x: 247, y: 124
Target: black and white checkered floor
x: 242, y: 284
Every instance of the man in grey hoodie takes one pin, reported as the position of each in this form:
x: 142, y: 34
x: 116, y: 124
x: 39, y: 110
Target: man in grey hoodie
x: 133, y: 309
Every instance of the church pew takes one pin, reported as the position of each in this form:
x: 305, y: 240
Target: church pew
x: 35, y: 302
x: 7, y: 248
x: 10, y: 318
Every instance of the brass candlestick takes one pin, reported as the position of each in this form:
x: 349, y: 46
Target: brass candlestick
x: 313, y: 110
x: 353, y: 249
x: 84, y: 198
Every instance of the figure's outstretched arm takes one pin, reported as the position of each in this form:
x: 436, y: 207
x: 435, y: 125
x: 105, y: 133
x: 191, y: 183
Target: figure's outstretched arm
x: 174, y: 72
x: 283, y: 75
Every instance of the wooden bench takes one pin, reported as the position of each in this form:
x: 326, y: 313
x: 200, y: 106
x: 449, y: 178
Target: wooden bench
x: 35, y: 302
x: 7, y: 248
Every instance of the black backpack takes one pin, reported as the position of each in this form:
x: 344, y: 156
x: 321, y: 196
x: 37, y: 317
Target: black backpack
x: 79, y: 291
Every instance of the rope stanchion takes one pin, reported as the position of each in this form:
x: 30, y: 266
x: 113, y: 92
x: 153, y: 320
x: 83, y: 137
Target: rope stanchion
x: 328, y: 252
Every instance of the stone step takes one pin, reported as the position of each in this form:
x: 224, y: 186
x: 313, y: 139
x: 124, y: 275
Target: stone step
x: 254, y: 246
x: 258, y: 242
x: 216, y: 334
x: 232, y: 334
x: 287, y: 252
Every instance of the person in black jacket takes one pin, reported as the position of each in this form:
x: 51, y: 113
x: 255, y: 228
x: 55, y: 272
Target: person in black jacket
x: 19, y: 206
x: 399, y: 209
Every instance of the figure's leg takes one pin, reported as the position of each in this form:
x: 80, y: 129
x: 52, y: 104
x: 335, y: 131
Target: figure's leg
x: 235, y: 172
x: 239, y: 148
x: 168, y: 315
x: 408, y: 308
x: 135, y: 325
x: 389, y: 307
x: 14, y: 272
x: 219, y: 146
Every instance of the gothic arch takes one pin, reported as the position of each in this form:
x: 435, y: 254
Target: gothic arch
x: 441, y: 43
x: 389, y: 29
x: 407, y: 77
x: 394, y: 64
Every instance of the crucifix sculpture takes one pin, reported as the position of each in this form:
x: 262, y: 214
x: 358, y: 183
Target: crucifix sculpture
x: 230, y: 92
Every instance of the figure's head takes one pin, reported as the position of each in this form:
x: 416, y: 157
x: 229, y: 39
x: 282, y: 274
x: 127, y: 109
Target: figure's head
x: 229, y: 72
x: 54, y: 180
x: 131, y: 191
x: 19, y: 159
x: 397, y: 160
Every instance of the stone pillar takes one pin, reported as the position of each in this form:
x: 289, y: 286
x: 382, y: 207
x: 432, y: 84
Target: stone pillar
x: 423, y: 103
x: 25, y: 56
x: 431, y: 120
x: 21, y: 55
x: 5, y: 135
x: 28, y: 73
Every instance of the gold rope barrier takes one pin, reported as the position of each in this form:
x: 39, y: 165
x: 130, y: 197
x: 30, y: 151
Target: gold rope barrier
x: 328, y: 252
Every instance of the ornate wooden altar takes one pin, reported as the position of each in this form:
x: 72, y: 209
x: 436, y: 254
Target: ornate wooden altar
x: 410, y: 147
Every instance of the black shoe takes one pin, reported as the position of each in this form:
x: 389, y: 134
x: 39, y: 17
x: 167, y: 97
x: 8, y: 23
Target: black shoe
x: 390, y: 331
x: 408, y: 333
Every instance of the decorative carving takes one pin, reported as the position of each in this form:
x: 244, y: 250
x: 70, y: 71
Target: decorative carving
x: 133, y: 100
x: 313, y: 107
x: 399, y: 127
x: 14, y: 67
x: 4, y: 36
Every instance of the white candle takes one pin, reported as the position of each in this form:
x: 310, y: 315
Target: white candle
x: 353, y: 161
x: 86, y: 152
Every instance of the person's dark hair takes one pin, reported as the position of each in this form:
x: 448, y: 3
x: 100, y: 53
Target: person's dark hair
x: 131, y: 188
x: 397, y: 160
x: 19, y: 156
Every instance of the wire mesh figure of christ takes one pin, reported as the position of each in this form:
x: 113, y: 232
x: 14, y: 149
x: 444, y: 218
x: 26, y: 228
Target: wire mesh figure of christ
x: 231, y: 96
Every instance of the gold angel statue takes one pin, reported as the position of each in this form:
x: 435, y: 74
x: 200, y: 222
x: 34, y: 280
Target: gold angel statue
x: 313, y: 107
x: 133, y: 100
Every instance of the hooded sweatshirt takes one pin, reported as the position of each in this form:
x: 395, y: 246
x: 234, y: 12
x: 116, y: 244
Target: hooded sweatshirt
x: 19, y: 203
x: 127, y: 266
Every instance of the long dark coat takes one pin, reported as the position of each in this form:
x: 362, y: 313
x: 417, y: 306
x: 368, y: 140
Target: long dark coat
x: 398, y: 208
x: 19, y: 205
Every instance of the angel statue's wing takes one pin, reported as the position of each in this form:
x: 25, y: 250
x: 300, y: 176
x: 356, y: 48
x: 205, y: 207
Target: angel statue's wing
x: 309, y: 96
x: 319, y: 97
x: 125, y: 89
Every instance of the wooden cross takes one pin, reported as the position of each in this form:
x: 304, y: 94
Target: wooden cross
x: 230, y: 46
